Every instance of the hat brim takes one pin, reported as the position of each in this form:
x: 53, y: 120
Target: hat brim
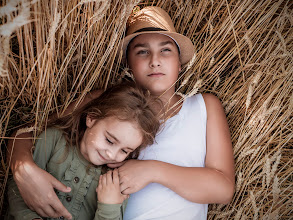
x: 185, y: 45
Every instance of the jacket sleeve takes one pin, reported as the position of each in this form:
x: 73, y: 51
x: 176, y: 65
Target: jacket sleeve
x: 17, y: 207
x: 110, y: 211
x: 46, y: 145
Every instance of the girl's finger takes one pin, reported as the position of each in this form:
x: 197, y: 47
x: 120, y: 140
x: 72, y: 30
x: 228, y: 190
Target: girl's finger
x: 115, y: 177
x: 109, y: 177
x: 100, y: 182
x: 104, y: 180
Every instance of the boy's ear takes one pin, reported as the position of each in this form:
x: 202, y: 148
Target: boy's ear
x: 89, y: 121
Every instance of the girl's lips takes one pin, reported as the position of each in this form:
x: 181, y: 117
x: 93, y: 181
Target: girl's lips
x: 102, y: 156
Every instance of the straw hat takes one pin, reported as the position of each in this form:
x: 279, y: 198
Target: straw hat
x: 155, y: 20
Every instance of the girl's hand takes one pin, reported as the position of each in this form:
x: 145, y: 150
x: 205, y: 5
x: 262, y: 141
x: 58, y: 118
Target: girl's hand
x: 135, y: 175
x: 108, y: 190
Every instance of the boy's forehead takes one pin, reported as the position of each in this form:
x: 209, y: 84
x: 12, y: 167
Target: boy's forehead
x: 149, y: 38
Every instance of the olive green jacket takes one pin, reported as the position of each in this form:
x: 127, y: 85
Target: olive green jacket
x: 72, y: 170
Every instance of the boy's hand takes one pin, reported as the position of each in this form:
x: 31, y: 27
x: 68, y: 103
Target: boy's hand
x: 115, y: 165
x: 135, y: 175
x: 108, y: 189
x: 36, y: 187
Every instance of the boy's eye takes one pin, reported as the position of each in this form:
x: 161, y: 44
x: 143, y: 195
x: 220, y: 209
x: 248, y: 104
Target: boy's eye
x: 110, y: 142
x: 142, y: 52
x: 166, y: 50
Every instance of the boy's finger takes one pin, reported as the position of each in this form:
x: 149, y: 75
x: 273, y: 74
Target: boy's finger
x: 125, y: 196
x: 60, y: 186
x: 60, y: 210
x: 115, y: 165
x: 115, y: 177
x: 126, y: 191
x: 109, y: 177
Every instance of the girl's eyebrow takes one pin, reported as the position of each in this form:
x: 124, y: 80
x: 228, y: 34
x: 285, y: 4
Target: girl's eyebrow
x: 112, y: 136
x: 130, y: 149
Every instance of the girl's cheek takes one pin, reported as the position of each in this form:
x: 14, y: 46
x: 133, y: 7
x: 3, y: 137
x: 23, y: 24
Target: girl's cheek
x: 121, y: 158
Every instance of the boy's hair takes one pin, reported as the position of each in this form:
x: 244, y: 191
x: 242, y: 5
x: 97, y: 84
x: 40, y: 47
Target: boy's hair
x: 126, y: 101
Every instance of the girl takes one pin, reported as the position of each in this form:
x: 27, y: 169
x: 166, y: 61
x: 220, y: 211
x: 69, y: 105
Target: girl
x: 191, y: 163
x: 109, y: 129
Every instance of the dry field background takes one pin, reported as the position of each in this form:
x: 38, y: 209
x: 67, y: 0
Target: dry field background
x: 53, y: 52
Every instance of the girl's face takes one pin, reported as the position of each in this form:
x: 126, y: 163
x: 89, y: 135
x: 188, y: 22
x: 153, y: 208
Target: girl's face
x: 154, y: 62
x: 109, y: 140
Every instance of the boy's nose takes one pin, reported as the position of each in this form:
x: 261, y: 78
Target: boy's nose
x: 155, y: 61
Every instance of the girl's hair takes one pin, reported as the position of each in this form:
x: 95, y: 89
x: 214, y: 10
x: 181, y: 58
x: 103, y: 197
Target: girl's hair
x: 126, y: 101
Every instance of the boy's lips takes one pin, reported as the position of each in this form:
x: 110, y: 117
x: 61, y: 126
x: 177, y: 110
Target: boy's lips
x: 156, y: 74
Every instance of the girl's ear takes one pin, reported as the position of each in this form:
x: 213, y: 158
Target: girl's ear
x: 89, y: 121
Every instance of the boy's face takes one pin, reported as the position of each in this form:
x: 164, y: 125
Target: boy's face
x: 154, y: 62
x: 109, y: 140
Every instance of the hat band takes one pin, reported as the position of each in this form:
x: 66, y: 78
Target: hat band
x: 149, y: 29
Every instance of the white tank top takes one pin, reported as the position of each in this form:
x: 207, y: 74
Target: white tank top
x: 181, y: 141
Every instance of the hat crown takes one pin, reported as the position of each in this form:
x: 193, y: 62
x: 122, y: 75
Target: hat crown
x: 149, y: 17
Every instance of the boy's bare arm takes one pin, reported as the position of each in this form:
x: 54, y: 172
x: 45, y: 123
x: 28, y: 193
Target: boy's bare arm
x: 35, y: 184
x: 213, y: 183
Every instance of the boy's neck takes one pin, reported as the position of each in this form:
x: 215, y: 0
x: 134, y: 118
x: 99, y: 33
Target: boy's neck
x: 171, y: 105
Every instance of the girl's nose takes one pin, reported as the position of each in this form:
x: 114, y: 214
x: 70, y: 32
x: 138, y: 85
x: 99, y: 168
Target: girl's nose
x: 111, y: 154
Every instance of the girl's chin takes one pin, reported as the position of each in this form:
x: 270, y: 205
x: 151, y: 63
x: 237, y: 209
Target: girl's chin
x: 98, y: 163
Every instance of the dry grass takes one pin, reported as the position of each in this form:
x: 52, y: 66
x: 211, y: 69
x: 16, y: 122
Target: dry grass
x: 54, y: 52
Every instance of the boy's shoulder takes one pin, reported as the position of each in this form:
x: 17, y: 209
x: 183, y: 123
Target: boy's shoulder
x: 213, y: 105
x: 211, y: 98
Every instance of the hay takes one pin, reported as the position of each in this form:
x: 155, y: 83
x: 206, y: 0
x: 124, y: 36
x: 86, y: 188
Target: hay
x: 60, y: 50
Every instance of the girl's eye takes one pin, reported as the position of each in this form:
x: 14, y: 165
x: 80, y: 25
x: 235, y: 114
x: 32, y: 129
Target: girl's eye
x: 124, y: 151
x: 110, y: 142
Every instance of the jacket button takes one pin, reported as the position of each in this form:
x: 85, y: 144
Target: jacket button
x: 76, y: 179
x: 61, y: 217
x: 68, y: 198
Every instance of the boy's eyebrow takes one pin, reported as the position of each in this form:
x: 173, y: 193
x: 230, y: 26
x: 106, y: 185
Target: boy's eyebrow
x: 166, y: 42
x: 140, y: 45
x: 147, y: 45
x: 112, y: 136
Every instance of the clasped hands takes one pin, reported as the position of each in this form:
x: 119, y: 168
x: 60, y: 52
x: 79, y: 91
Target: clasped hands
x: 39, y: 195
x: 130, y: 175
x: 133, y: 175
